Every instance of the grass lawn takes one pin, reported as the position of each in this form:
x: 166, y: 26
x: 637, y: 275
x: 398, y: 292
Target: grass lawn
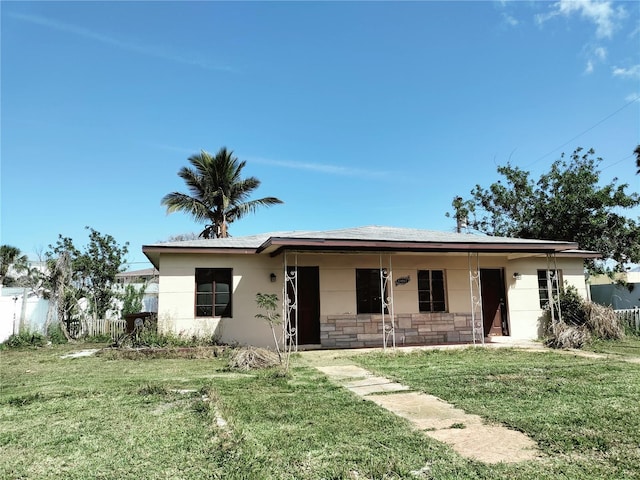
x: 629, y: 346
x: 159, y: 418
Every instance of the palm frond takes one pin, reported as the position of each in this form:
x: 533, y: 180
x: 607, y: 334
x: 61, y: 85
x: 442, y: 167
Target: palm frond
x: 242, y: 209
x: 179, y: 202
x: 218, y: 193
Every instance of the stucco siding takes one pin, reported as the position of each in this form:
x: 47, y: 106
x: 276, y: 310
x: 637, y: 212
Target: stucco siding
x: 251, y: 274
x: 339, y: 320
x: 525, y: 314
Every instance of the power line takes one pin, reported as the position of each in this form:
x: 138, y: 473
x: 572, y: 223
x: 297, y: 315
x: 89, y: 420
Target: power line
x: 582, y: 133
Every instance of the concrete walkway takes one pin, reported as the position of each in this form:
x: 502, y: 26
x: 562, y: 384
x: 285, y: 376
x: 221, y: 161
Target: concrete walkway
x: 465, y: 433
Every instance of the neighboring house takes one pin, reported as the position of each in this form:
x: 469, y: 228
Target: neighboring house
x: 146, y: 278
x: 607, y: 291
x: 439, y: 287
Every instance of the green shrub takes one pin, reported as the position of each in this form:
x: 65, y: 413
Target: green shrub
x: 100, y: 338
x: 573, y: 307
x: 55, y: 334
x: 25, y: 339
x: 150, y: 338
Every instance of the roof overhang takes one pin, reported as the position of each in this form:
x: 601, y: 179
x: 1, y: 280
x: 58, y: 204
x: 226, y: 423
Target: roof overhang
x: 152, y: 252
x: 276, y: 245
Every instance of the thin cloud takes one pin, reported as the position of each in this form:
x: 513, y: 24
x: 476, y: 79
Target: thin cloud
x: 510, y: 20
x: 312, y: 167
x: 322, y: 168
x: 146, y: 50
x: 631, y: 72
x: 589, y: 68
x: 632, y: 97
x: 600, y: 53
x: 602, y: 14
x: 595, y: 55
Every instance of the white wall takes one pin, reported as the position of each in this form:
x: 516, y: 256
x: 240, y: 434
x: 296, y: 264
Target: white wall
x: 523, y: 296
x: 26, y: 313
x: 338, y: 290
x: 251, y: 274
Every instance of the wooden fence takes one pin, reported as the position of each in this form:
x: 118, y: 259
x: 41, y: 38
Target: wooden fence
x: 91, y: 328
x: 630, y: 317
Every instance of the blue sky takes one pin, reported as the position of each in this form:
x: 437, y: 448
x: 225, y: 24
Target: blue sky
x: 360, y: 113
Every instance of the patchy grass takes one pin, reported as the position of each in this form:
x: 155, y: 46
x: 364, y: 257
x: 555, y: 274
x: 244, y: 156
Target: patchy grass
x: 583, y: 413
x: 109, y: 417
x: 629, y: 346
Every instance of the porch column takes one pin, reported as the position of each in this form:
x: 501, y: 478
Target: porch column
x: 386, y: 300
x: 475, y: 291
x: 553, y: 285
x: 290, y: 305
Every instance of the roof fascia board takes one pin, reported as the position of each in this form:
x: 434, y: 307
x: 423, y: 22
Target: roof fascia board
x: 274, y: 244
x: 173, y: 249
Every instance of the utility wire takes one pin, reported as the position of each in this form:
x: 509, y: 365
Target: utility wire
x: 582, y: 133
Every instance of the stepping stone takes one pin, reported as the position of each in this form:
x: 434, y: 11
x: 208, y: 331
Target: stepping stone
x: 465, y: 433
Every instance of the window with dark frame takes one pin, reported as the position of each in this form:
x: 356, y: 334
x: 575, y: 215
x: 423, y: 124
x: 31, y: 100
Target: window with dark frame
x: 431, y: 297
x: 543, y: 291
x: 213, y: 292
x: 368, y: 290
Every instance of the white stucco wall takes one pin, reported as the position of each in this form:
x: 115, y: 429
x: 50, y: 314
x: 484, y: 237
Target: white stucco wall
x: 525, y: 314
x: 338, y: 288
x: 251, y: 274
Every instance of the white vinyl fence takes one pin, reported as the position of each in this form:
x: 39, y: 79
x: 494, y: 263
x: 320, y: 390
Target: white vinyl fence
x: 630, y: 317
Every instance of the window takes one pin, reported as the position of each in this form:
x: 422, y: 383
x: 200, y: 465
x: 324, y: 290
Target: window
x: 213, y: 292
x: 431, y: 291
x: 543, y: 291
x: 368, y: 290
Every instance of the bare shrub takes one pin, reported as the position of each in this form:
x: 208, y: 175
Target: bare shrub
x: 569, y: 336
x: 581, y: 320
x: 252, y: 358
x: 602, y: 322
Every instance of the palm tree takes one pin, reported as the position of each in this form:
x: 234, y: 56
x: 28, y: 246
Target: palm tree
x: 637, y: 154
x: 218, y: 193
x: 11, y: 256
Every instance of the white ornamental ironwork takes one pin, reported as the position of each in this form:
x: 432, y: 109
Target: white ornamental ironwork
x: 290, y: 305
x: 386, y: 300
x: 553, y: 291
x: 475, y: 289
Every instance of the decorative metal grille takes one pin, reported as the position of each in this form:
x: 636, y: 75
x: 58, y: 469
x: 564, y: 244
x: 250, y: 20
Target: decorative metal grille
x: 386, y: 298
x: 475, y: 290
x: 553, y: 291
x: 290, y: 305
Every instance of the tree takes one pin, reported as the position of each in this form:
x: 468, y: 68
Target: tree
x: 566, y: 204
x: 218, y: 193
x: 636, y: 152
x: 269, y: 303
x: 181, y: 237
x: 91, y: 274
x: 11, y: 256
x: 132, y: 299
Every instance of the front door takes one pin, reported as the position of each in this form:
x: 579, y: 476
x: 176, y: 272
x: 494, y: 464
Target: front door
x: 494, y: 310
x: 308, y: 311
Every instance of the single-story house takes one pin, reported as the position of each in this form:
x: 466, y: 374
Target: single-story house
x: 362, y: 287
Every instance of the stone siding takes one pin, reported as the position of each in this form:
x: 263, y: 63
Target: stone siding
x: 357, y: 331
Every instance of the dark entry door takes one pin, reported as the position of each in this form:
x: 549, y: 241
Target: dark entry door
x: 494, y: 310
x: 308, y: 311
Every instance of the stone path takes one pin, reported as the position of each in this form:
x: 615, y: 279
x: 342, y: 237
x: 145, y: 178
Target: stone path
x: 465, y: 433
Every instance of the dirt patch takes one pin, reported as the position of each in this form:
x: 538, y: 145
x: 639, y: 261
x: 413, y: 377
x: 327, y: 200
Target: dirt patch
x: 81, y: 353
x: 173, y: 352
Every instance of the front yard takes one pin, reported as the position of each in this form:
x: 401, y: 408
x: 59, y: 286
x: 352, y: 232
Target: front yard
x: 152, y: 418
